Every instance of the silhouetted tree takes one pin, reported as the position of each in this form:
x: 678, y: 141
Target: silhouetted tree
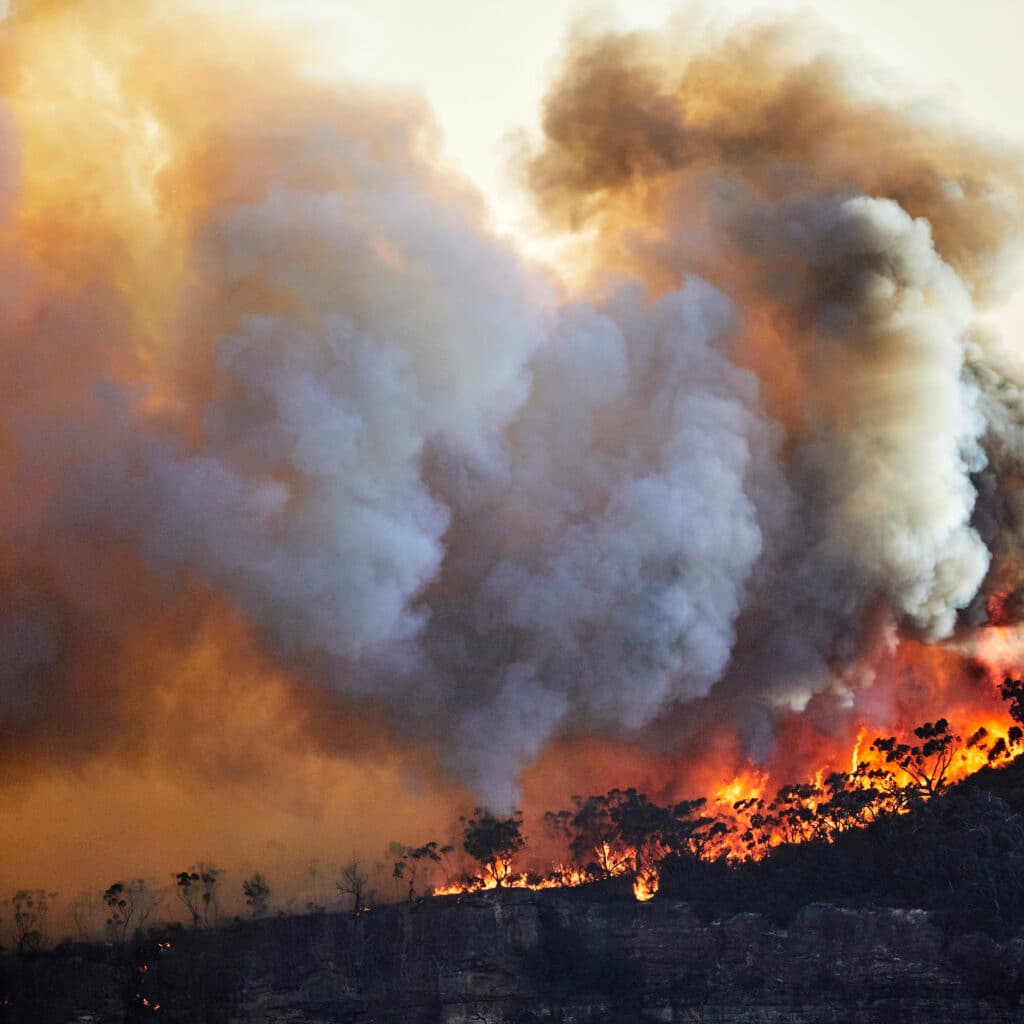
x: 317, y: 903
x: 410, y: 863
x: 854, y: 799
x: 88, y: 913
x: 688, y: 831
x: 30, y: 908
x: 353, y: 883
x: 926, y: 763
x: 1012, y: 691
x: 643, y: 827
x: 1006, y: 746
x: 622, y: 830
x: 592, y: 835
x: 257, y: 894
x: 493, y: 841
x: 129, y: 903
x: 197, y: 890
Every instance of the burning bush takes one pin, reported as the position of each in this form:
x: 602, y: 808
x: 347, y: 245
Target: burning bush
x: 624, y: 833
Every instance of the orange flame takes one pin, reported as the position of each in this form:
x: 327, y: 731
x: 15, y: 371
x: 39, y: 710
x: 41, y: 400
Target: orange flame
x: 645, y: 887
x: 798, y: 796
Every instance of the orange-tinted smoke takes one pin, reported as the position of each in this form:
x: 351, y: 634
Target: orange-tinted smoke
x: 145, y: 726
x: 174, y: 179
x: 651, y: 137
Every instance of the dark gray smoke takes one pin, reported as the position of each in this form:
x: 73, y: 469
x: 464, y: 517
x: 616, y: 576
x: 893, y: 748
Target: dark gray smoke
x: 304, y: 379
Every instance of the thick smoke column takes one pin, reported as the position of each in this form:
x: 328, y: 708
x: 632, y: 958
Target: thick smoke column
x: 262, y: 359
x: 859, y: 237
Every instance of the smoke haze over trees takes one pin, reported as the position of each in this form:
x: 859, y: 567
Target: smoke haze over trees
x: 309, y: 478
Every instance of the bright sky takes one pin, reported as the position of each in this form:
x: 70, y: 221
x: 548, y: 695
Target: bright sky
x: 483, y: 65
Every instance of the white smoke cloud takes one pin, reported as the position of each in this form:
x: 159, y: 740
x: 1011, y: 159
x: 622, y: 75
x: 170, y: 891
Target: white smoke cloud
x: 431, y: 483
x: 641, y: 576
x: 894, y: 424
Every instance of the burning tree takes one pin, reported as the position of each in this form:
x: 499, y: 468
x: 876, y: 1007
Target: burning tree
x: 623, y: 831
x: 855, y: 799
x: 694, y: 833
x: 926, y: 764
x: 197, y: 889
x: 592, y: 836
x: 641, y: 826
x: 1012, y: 691
x: 493, y: 841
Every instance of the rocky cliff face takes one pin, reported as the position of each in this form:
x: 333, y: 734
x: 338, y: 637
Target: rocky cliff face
x: 526, y: 957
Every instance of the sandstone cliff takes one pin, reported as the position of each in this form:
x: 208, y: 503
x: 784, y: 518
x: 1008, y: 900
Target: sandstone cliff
x: 524, y: 957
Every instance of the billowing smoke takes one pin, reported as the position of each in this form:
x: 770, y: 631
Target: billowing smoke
x: 268, y: 380
x: 860, y: 236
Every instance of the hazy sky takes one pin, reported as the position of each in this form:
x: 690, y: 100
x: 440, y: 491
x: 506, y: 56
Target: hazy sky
x: 483, y: 65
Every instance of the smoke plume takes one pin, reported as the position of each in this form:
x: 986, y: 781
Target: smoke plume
x: 277, y: 404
